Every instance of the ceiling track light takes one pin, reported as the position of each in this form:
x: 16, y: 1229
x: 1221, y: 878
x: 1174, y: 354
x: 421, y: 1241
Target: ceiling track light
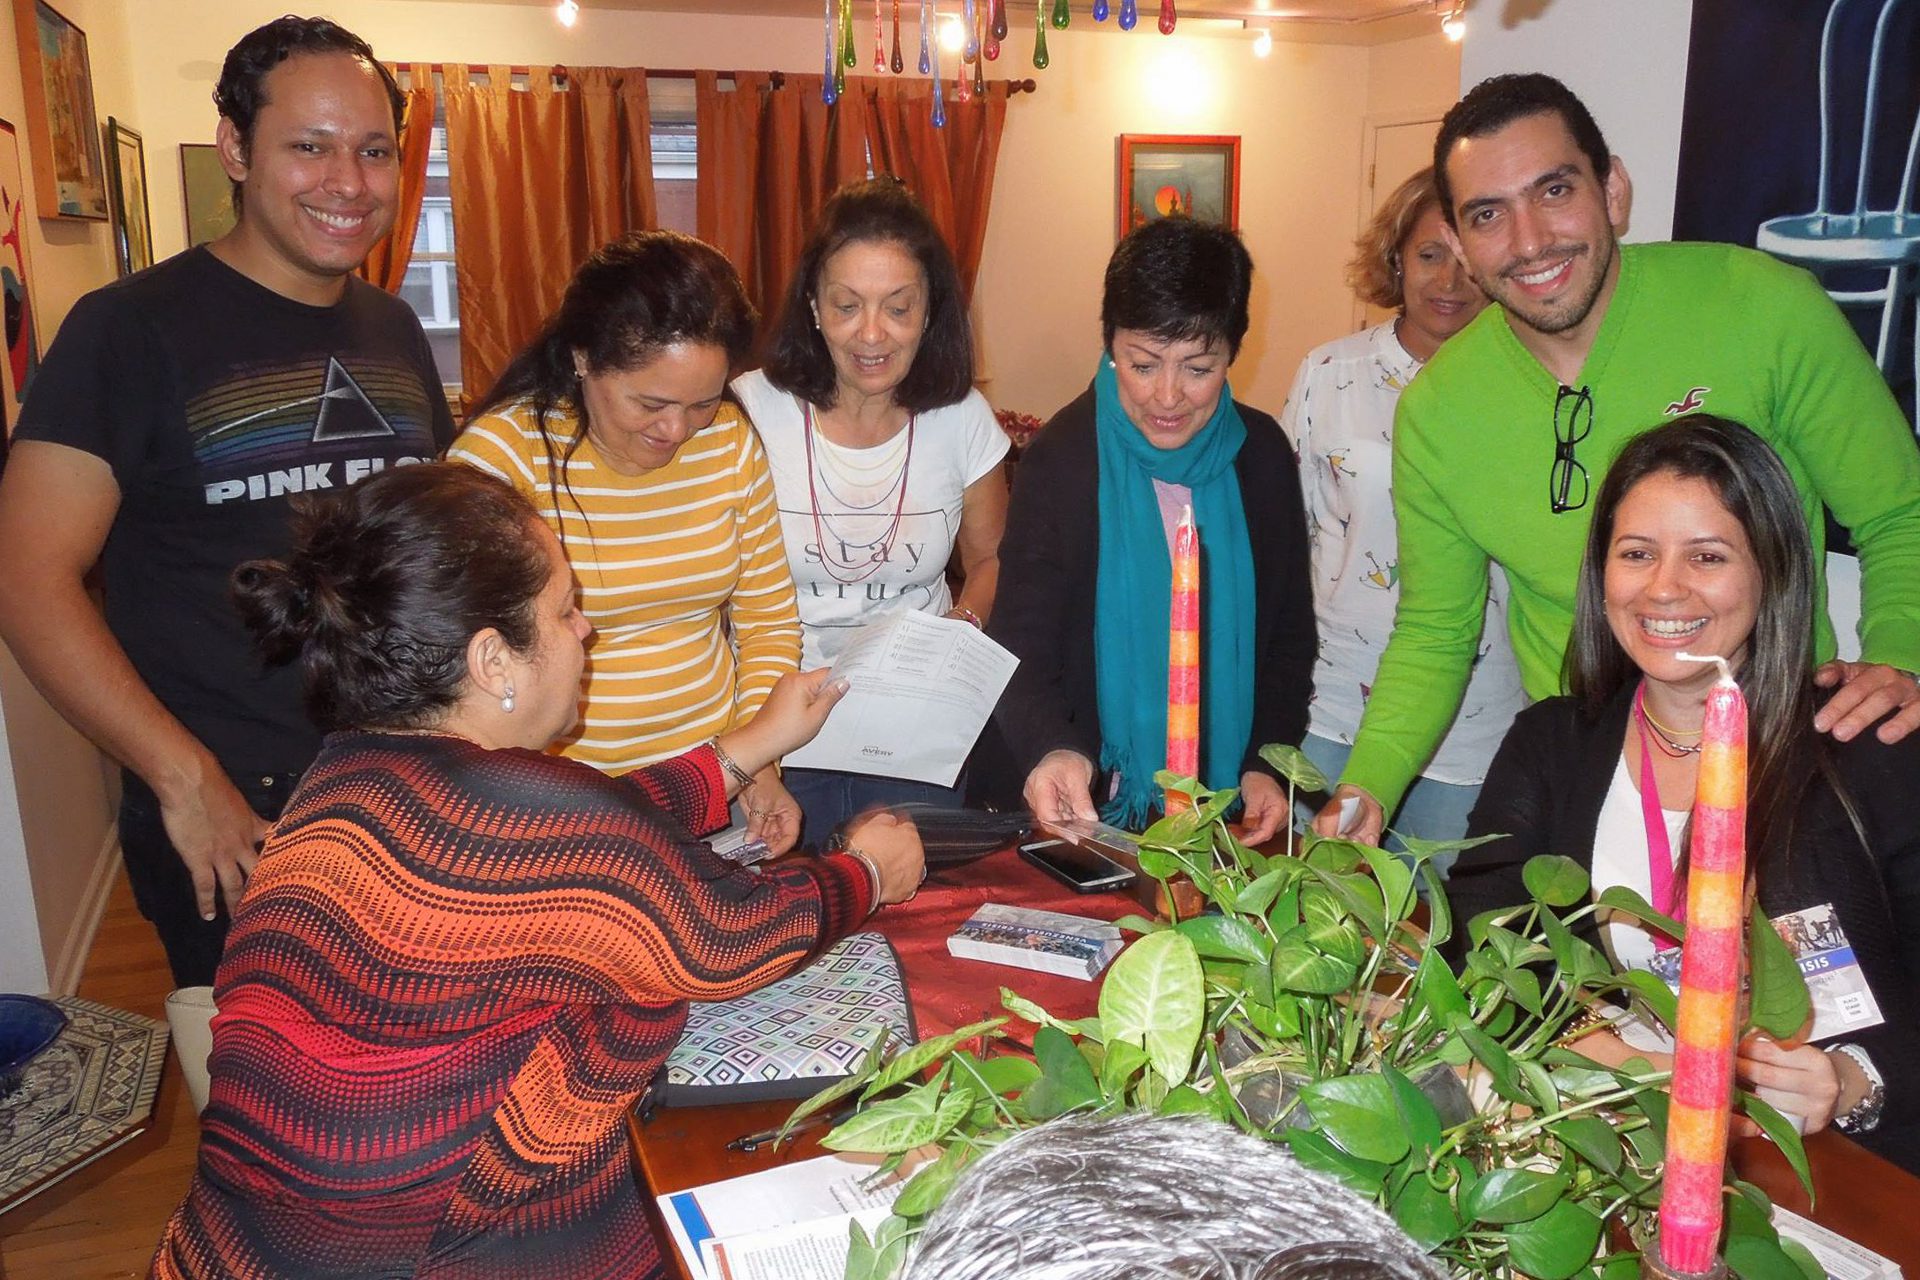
x: 1454, y: 25
x: 567, y: 11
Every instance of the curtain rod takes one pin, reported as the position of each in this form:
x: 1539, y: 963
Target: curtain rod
x: 777, y: 78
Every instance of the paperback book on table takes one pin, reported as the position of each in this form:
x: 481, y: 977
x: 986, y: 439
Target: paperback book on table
x: 1046, y: 941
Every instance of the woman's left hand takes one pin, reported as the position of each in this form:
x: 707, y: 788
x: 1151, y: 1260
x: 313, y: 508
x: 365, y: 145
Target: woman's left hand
x: 1266, y: 811
x: 773, y: 814
x: 1801, y: 1081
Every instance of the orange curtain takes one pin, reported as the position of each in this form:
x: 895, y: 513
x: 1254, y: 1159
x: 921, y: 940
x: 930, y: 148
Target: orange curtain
x: 950, y: 169
x: 768, y: 159
x: 541, y: 177
x: 386, y: 266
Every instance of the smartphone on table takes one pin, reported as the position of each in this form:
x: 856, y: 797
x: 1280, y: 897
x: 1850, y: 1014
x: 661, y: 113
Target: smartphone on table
x: 1081, y: 869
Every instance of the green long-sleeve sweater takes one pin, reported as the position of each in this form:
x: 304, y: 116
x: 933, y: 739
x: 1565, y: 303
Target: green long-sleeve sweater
x: 1691, y: 327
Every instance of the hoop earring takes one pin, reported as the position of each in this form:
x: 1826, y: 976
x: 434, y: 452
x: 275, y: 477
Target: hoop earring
x: 506, y: 701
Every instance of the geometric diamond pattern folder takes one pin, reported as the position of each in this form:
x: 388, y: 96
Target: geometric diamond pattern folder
x: 797, y: 1036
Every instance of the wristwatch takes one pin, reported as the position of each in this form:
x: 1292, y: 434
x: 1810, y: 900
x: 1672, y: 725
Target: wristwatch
x: 1866, y: 1113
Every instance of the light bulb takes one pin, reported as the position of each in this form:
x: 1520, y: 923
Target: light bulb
x: 568, y: 11
x: 953, y: 33
x: 1263, y: 44
x: 1453, y: 26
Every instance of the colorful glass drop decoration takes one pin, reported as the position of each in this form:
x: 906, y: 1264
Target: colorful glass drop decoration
x: 829, y: 80
x: 1040, y: 58
x: 879, y: 40
x: 973, y: 33
x: 989, y: 48
x: 1061, y: 15
x: 1100, y: 10
x: 998, y: 26
x: 939, y: 91
x: 962, y: 83
x: 1167, y: 17
x: 898, y: 64
x: 849, y: 55
x: 926, y: 40
x: 1129, y: 14
x: 979, y: 64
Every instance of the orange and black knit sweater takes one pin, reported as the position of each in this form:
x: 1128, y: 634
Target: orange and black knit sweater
x: 453, y: 972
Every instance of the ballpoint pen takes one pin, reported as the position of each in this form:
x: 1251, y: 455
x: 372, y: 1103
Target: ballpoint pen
x: 754, y: 1141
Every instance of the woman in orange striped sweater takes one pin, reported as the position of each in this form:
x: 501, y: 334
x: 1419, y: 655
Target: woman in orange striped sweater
x: 461, y: 959
x: 614, y: 423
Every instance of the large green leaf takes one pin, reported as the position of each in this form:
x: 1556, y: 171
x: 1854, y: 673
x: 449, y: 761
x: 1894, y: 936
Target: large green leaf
x: 1515, y: 1195
x: 1154, y: 996
x: 1557, y: 1243
x: 1658, y: 995
x: 1784, y: 1135
x: 1185, y: 1100
x: 1317, y: 1152
x: 1439, y: 988
x: 1497, y: 1061
x: 1417, y: 1113
x: 1021, y: 1007
x: 1525, y: 986
x: 921, y: 1115
x: 929, y: 1187
x: 1227, y: 938
x: 1425, y: 1213
x: 1780, y: 1004
x: 1292, y: 764
x: 1395, y: 879
x: 916, y: 1059
x: 1621, y: 898
x: 1298, y: 966
x: 1802, y: 1257
x: 1360, y: 1114
x: 1757, y: 1258
x: 1123, y: 1061
x: 1257, y: 895
x: 1066, y: 1080
x: 1439, y: 910
x: 1006, y: 1074
x: 1555, y: 880
x: 1593, y: 1138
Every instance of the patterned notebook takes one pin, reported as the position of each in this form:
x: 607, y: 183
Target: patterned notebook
x: 797, y: 1036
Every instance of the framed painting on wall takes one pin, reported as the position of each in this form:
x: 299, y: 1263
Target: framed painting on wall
x: 69, y: 177
x: 1166, y: 174
x: 132, y: 229
x: 21, y: 356
x: 207, y: 191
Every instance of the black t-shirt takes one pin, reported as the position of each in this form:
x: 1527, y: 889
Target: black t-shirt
x: 215, y: 400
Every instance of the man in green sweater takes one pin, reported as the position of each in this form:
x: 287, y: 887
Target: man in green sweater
x: 1500, y: 440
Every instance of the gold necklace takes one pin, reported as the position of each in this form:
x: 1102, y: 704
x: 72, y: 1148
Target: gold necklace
x: 1664, y: 731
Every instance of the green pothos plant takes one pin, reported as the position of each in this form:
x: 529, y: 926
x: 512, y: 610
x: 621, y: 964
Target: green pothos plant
x: 1306, y: 1006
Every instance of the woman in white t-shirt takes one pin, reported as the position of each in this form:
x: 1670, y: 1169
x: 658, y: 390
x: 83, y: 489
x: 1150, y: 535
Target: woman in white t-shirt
x: 1340, y: 419
x: 886, y: 461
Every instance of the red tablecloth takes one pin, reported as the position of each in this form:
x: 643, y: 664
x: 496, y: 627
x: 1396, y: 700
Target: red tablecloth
x: 949, y: 992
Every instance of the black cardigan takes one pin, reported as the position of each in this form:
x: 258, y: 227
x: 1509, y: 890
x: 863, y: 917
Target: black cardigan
x: 1043, y: 610
x: 1545, y: 789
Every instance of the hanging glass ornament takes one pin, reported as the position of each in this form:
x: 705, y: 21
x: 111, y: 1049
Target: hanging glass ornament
x: 849, y: 56
x: 998, y: 26
x: 1100, y: 10
x: 939, y: 92
x: 829, y: 82
x: 1061, y: 15
x: 973, y: 33
x: 1040, y: 58
x: 962, y: 83
x: 989, y: 48
x: 1129, y: 14
x: 1167, y: 17
x: 926, y: 40
x: 897, y: 64
x: 879, y: 40
x: 979, y: 74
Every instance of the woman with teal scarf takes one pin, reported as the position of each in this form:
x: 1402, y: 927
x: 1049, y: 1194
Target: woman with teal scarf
x: 1085, y: 566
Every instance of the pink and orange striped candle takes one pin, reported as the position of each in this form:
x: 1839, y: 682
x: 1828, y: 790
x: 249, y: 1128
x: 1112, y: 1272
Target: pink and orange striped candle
x: 1183, y: 658
x: 1711, y: 965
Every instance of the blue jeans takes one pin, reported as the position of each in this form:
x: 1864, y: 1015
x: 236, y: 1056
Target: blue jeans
x: 1430, y: 810
x: 827, y: 798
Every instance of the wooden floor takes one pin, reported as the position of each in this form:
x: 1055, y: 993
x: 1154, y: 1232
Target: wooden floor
x: 104, y: 1220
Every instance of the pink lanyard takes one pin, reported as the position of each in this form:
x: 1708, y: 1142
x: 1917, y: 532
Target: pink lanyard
x: 1659, y: 846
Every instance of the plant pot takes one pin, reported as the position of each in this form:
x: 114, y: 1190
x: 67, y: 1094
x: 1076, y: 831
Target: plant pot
x: 1269, y: 1096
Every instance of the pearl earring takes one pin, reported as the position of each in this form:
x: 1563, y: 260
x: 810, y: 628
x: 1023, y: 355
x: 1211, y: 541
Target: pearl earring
x: 506, y: 701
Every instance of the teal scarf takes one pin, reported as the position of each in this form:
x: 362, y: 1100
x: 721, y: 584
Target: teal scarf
x: 1133, y: 589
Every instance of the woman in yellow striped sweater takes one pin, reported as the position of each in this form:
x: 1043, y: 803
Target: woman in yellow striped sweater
x: 612, y: 422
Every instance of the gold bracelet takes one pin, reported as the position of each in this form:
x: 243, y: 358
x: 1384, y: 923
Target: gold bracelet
x: 968, y: 615
x: 732, y: 766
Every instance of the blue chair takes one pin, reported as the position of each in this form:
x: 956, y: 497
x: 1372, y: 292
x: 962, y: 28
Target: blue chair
x: 1861, y: 237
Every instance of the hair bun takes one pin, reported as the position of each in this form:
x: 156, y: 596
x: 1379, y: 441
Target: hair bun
x: 276, y: 606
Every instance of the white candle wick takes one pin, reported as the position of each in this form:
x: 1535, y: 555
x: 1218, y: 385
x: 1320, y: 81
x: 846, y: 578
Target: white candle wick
x: 1726, y: 672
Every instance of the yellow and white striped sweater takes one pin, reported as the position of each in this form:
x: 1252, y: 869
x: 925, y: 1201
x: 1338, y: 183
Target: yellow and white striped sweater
x: 682, y: 573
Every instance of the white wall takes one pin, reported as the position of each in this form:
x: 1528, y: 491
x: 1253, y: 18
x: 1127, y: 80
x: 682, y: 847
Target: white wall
x: 55, y: 813
x: 1627, y: 59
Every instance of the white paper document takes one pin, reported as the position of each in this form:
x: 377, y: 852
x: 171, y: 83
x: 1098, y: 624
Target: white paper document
x: 921, y: 691
x: 788, y: 1222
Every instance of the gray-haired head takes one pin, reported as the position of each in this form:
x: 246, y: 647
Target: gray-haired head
x: 1146, y: 1197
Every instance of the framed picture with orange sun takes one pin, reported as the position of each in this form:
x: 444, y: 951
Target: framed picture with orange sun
x: 1166, y: 174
